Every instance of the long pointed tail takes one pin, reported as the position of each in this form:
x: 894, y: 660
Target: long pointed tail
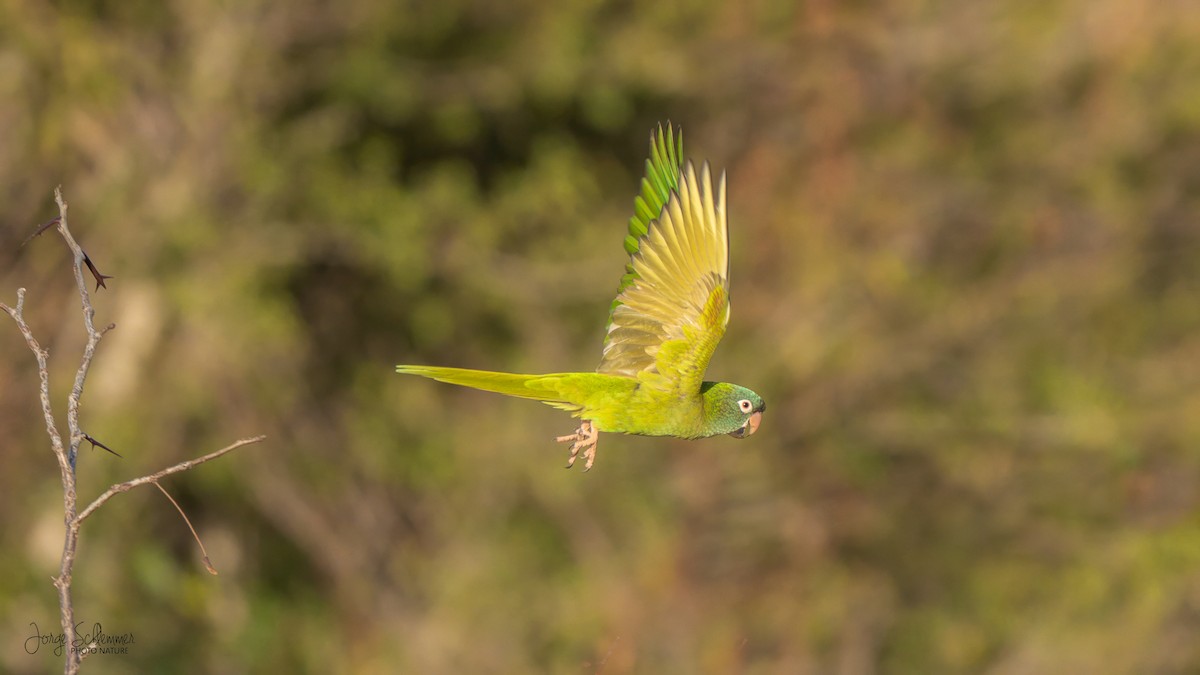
x: 537, y: 387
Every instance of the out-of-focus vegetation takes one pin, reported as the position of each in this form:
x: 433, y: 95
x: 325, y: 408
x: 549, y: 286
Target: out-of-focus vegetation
x: 965, y: 278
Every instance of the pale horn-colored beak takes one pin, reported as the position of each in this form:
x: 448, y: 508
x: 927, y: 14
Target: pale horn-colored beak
x: 749, y: 427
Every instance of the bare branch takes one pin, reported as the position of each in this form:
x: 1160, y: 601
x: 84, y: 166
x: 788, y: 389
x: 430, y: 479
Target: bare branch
x: 154, y: 477
x: 41, y: 228
x: 18, y: 315
x: 67, y: 452
x: 93, y: 335
x: 207, y: 563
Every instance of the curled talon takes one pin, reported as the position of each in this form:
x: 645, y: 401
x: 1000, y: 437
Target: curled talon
x: 585, y: 439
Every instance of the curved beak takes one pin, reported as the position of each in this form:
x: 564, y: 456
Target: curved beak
x: 749, y: 427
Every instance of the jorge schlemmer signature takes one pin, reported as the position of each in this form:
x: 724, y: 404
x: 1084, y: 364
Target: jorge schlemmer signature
x: 95, y: 641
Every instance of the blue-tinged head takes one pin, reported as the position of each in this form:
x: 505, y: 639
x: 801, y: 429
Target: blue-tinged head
x: 731, y: 409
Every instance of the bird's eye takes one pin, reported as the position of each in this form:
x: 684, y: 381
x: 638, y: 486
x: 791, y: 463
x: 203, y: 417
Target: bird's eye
x: 745, y: 405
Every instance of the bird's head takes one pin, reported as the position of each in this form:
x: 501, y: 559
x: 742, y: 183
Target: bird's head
x: 732, y: 409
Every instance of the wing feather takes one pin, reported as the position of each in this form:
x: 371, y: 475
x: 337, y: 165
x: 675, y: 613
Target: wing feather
x: 673, y: 305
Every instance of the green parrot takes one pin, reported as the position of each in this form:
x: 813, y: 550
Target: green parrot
x: 671, y: 310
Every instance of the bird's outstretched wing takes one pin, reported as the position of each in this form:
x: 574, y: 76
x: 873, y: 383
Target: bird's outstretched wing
x: 673, y: 304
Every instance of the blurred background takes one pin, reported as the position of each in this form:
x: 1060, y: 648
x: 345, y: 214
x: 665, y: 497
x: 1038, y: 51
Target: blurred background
x: 965, y: 279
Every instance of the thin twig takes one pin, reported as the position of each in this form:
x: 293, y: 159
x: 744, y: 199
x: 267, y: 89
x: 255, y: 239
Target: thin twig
x: 18, y: 315
x: 154, y: 477
x: 41, y: 228
x: 204, y: 553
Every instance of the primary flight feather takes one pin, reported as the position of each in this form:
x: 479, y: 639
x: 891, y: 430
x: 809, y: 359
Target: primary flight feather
x: 671, y: 310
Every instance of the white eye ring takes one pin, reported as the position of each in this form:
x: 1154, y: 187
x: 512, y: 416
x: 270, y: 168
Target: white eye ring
x: 745, y: 405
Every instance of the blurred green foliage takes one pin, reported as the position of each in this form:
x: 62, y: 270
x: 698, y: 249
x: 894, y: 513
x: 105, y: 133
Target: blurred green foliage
x: 965, y: 247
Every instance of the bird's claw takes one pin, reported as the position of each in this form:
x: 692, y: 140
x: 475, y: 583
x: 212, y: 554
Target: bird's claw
x: 584, y: 439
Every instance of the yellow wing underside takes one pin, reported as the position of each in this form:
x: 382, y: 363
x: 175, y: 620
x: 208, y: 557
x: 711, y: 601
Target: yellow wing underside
x: 668, y: 322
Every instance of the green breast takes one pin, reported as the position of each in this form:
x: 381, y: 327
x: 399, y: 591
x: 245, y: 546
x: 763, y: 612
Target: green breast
x: 646, y: 411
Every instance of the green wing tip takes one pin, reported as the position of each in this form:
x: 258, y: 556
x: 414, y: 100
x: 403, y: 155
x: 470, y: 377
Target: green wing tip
x: 663, y: 173
x: 631, y: 244
x: 669, y: 146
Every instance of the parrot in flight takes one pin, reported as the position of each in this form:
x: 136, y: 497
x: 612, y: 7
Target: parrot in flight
x: 671, y: 310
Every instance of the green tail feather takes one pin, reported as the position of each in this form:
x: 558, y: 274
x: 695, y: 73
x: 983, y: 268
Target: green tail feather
x: 509, y: 384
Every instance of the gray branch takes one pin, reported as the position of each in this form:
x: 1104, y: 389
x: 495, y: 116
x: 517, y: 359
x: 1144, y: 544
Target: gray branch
x: 67, y: 453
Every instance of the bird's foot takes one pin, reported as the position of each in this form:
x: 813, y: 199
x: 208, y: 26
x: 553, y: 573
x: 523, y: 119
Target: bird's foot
x: 584, y: 438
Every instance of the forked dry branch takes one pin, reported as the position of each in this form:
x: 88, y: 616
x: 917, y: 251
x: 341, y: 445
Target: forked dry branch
x: 66, y: 452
